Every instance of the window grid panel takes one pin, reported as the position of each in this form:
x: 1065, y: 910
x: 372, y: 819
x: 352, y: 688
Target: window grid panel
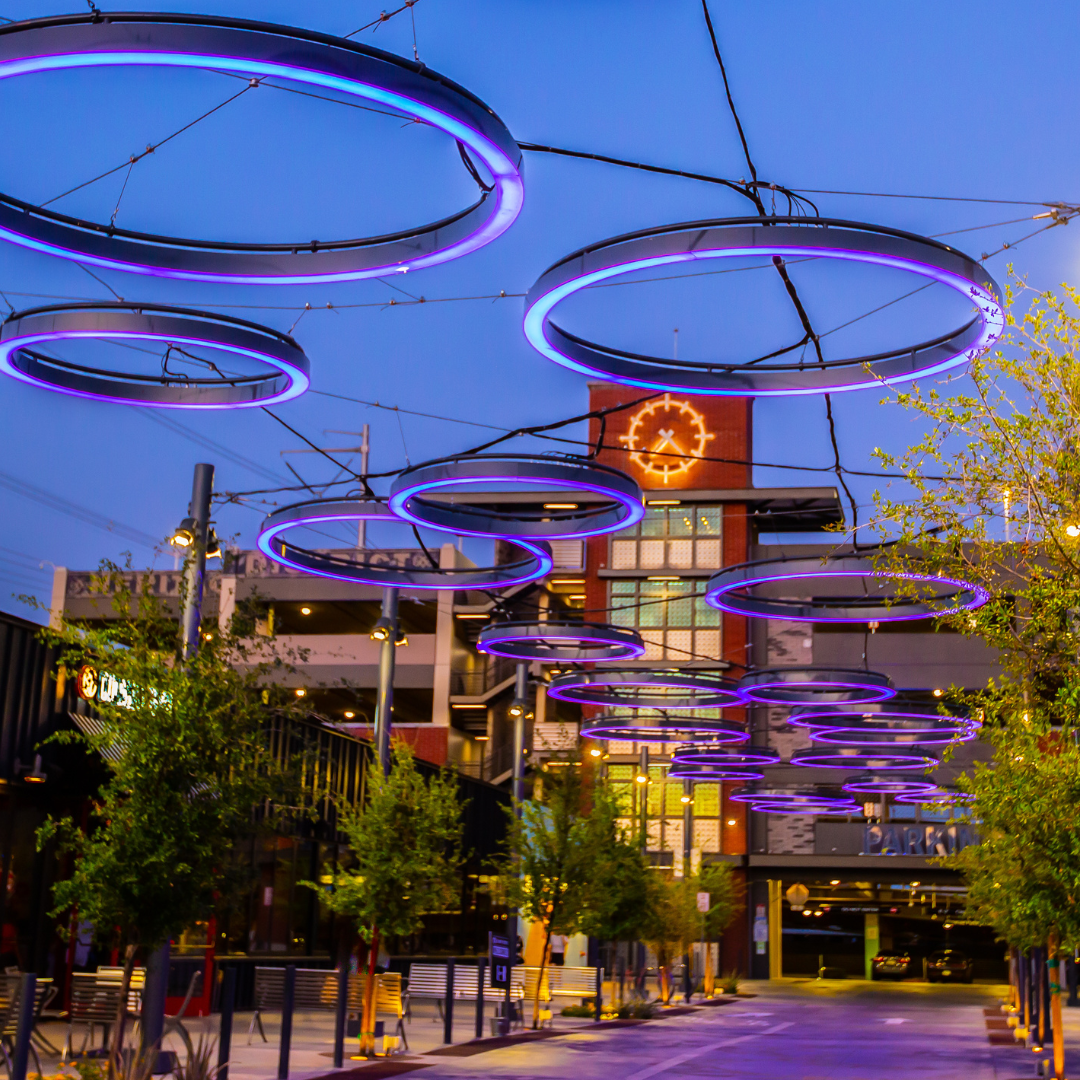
x: 679, y: 538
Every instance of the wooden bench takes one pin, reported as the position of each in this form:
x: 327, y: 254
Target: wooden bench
x: 92, y: 1002
x: 427, y: 982
x: 573, y: 982
x: 317, y: 991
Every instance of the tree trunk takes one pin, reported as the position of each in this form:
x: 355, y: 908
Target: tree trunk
x: 117, y: 1048
x: 540, y: 977
x: 367, y: 1027
x: 1053, y: 964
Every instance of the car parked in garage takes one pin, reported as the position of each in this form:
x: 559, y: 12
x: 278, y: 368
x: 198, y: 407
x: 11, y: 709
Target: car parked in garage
x: 891, y: 964
x: 949, y: 964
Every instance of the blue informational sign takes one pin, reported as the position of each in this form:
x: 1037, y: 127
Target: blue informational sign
x: 501, y: 960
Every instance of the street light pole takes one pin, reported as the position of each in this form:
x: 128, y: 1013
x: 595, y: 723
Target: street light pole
x: 384, y: 701
x: 521, y: 700
x: 157, y: 963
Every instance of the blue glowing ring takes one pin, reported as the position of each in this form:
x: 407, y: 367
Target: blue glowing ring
x: 623, y: 503
x: 889, y: 785
x: 853, y: 757
x: 559, y: 641
x: 706, y: 774
x: 780, y: 237
x: 622, y: 727
x: 703, y: 753
x: 893, y: 716
x: 728, y: 590
x: 853, y: 736
x: 815, y: 685
x: 644, y: 689
x: 388, y: 574
x: 25, y: 331
x: 263, y: 51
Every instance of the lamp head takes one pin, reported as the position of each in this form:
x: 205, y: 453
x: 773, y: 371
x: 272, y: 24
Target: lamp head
x: 381, y: 630
x: 184, y: 534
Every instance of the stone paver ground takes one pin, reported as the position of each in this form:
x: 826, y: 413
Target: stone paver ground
x: 792, y: 1030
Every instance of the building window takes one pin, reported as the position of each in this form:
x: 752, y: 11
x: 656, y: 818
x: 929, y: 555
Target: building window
x: 671, y: 538
x: 671, y: 616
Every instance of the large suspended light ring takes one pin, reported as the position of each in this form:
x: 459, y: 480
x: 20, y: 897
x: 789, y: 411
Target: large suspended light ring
x: 848, y: 810
x: 708, y: 774
x: 25, y: 332
x: 620, y: 727
x: 646, y: 689
x: 360, y: 566
x: 553, y: 641
x: 799, y: 797
x: 728, y: 590
x: 869, y: 784
x: 695, y: 243
x: 815, y: 685
x: 623, y: 505
x: 718, y: 755
x: 938, y: 797
x: 261, y: 51
x: 893, y: 716
x: 885, y: 760
x: 837, y: 736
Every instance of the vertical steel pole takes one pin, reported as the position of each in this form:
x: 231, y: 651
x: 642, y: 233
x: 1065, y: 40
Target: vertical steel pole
x: 195, y: 564
x: 384, y: 702
x: 153, y: 1004
x: 481, y: 971
x: 448, y: 1004
x: 643, y: 787
x: 688, y: 831
x: 521, y: 698
x: 227, y: 1005
x: 340, y: 1011
x: 27, y: 991
x: 288, y: 1002
x: 361, y: 538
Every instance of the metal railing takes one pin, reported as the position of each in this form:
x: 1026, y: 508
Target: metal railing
x: 480, y: 680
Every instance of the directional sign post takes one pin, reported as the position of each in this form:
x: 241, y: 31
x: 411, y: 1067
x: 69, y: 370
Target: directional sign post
x: 501, y: 962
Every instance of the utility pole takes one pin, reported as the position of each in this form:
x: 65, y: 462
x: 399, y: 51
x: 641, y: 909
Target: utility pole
x: 386, y: 632
x: 197, y: 525
x: 365, y: 448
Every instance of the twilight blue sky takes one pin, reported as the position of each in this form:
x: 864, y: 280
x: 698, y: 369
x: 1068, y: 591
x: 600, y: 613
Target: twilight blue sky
x: 960, y: 99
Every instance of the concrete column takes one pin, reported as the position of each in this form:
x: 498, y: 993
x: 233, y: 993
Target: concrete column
x: 59, y: 596
x: 776, y: 958
x: 227, y: 603
x: 871, y: 939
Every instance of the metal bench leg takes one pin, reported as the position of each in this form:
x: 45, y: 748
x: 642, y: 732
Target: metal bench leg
x: 256, y: 1019
x: 439, y: 1007
x: 401, y: 1032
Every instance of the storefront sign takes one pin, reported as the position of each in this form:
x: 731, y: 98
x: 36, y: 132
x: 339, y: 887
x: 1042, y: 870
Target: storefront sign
x: 927, y: 840
x: 103, y: 688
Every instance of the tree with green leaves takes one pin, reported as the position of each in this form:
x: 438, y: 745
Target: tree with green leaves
x: 554, y: 860
x: 995, y: 500
x: 186, y: 752
x: 405, y: 841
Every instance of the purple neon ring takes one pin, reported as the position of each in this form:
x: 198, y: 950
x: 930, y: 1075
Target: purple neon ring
x: 854, y: 758
x: 645, y: 689
x: 815, y: 685
x: 560, y: 641
x: 848, y: 810
x: 939, y: 797
x: 623, y: 504
x: 853, y: 736
x: 706, y: 775
x: 536, y: 564
x: 719, y: 756
x: 102, y: 321
x: 263, y: 51
x: 894, y: 716
x: 751, y: 795
x: 622, y: 728
x: 691, y: 242
x: 886, y: 785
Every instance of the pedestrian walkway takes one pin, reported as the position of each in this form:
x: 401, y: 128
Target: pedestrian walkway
x: 790, y: 1030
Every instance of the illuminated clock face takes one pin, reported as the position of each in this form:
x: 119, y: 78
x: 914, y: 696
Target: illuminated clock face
x: 667, y: 437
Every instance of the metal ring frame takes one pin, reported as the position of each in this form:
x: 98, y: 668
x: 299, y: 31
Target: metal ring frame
x: 942, y: 796
x: 645, y: 689
x: 881, y: 716
x: 536, y: 564
x: 783, y: 237
x: 889, y: 785
x: 721, y: 592
x: 707, y: 774
x: 815, y: 685
x: 24, y: 330
x: 847, y: 810
x: 554, y: 474
x: 263, y: 51
x: 659, y: 728
x: 719, y: 756
x: 553, y: 641
x: 837, y: 736
x: 841, y: 757
x: 801, y: 796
